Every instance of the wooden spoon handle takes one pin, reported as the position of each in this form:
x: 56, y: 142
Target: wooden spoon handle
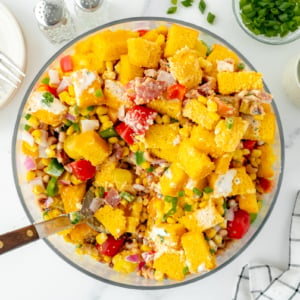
x: 17, y: 238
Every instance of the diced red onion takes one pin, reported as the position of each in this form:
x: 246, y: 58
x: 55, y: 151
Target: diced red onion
x: 138, y: 187
x: 141, y: 265
x: 29, y: 163
x: 64, y: 182
x: 65, y: 82
x: 134, y: 258
x: 48, y: 202
x: 70, y: 117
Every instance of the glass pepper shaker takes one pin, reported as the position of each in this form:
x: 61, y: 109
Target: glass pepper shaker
x: 90, y: 13
x: 54, y: 20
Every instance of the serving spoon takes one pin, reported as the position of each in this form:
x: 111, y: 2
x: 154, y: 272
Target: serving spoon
x: 40, y: 230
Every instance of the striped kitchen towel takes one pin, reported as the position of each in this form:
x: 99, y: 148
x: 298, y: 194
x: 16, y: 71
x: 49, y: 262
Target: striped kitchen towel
x: 263, y: 282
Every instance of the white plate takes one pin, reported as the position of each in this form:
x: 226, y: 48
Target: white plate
x: 12, y: 44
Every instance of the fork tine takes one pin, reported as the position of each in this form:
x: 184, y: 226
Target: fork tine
x: 7, y: 81
x: 11, y: 64
x: 6, y: 70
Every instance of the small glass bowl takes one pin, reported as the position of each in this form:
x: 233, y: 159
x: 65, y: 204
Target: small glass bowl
x: 276, y: 40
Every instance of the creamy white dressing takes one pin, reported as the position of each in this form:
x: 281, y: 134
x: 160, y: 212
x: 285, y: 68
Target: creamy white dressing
x: 35, y: 103
x: 223, y: 185
x: 82, y: 80
x: 176, y: 141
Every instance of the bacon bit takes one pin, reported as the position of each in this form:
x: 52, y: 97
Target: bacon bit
x: 112, y: 198
x: 166, y: 77
x: 208, y: 88
x: 226, y: 65
x: 226, y: 106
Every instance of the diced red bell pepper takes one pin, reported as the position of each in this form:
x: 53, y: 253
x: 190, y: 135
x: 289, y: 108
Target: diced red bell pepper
x: 142, y: 32
x: 176, y: 91
x: 139, y: 118
x: 111, y: 246
x: 265, y: 184
x: 249, y: 144
x: 83, y: 169
x: 239, y: 225
x: 125, y: 132
x: 48, y: 88
x: 66, y: 63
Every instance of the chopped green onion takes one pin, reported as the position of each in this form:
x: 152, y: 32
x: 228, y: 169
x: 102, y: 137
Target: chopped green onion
x: 98, y: 93
x: 139, y: 157
x: 187, y: 207
x: 107, y: 133
x: 187, y: 3
x: 27, y: 127
x: 127, y: 196
x: 202, y: 6
x: 252, y: 218
x: 208, y: 190
x: 48, y: 98
x: 172, y: 211
x: 150, y: 169
x: 185, y: 270
x: 101, y: 191
x: 197, y: 192
x: 241, y: 66
x: 76, y: 127
x: 75, y: 217
x: 27, y: 116
x: 181, y: 194
x: 171, y: 10
x: 229, y: 123
x: 45, y: 80
x: 210, y: 18
x: 174, y: 2
x: 90, y: 108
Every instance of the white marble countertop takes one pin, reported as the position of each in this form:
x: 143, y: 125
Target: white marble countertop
x: 35, y: 272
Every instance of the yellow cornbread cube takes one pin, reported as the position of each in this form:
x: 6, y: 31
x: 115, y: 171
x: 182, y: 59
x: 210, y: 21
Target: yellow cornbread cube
x: 198, y: 113
x: 173, y: 180
x: 204, y: 140
x: 155, y: 210
x: 104, y: 176
x: 171, y: 263
x: 71, y: 196
x: 222, y: 163
x: 267, y: 159
x: 220, y: 52
x: 80, y: 232
x: 201, y: 48
x: 90, y: 61
x: 229, y: 132
x: 185, y: 67
x: 92, y: 147
x: 194, y: 162
x: 248, y: 202
x: 110, y: 45
x: 120, y: 264
x: 203, y: 218
x: 169, y: 155
x: 128, y: 71
x: 197, y: 252
x: 162, y: 136
x: 87, y: 87
x: 170, y: 107
x: 180, y: 37
x: 234, y: 82
x: 191, y: 184
x: 122, y: 178
x: 242, y: 183
x: 262, y: 130
x: 113, y: 220
x: 143, y: 53
x: 167, y: 234
x: 114, y: 94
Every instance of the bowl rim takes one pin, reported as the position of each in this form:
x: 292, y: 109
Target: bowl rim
x: 289, y: 38
x: 14, y: 154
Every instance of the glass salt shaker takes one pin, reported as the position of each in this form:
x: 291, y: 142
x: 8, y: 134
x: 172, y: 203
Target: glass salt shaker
x: 90, y: 13
x: 54, y: 21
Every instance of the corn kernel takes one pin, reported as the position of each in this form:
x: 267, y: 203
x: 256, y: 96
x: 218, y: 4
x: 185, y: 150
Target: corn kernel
x: 33, y: 121
x: 171, y: 220
x: 145, y: 165
x: 210, y: 233
x: 45, y: 161
x: 124, y: 202
x: 71, y: 90
x: 145, y: 248
x: 106, y: 125
x: 202, y: 204
x: 214, y: 116
x: 101, y: 238
x: 109, y: 75
x: 166, y: 119
x: 237, y: 155
x: 121, y: 143
x: 36, y: 134
x: 107, y: 259
x: 202, y: 99
x: 138, y: 180
x: 253, y: 176
x: 52, y: 214
x: 158, y: 119
x: 113, y: 140
x: 30, y: 175
x: 256, y: 153
x: 246, y: 151
x: 134, y: 147
x: 70, y: 130
x: 211, y: 106
x: 258, y: 117
x: 75, y: 180
x: 109, y: 66
x: 219, y: 201
x: 50, y: 152
x: 158, y: 275
x: 104, y: 118
x: 218, y: 239
x: 223, y: 224
x: 125, y: 151
x: 101, y: 110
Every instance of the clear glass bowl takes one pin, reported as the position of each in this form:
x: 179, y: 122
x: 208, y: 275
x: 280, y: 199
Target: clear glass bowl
x: 91, y: 266
x: 290, y: 37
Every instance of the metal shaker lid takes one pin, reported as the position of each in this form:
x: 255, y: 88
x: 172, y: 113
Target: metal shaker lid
x: 49, y: 12
x: 88, y: 5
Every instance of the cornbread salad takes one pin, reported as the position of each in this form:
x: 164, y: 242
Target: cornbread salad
x: 173, y: 137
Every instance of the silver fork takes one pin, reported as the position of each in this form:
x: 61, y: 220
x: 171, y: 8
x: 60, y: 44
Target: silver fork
x: 9, y: 71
